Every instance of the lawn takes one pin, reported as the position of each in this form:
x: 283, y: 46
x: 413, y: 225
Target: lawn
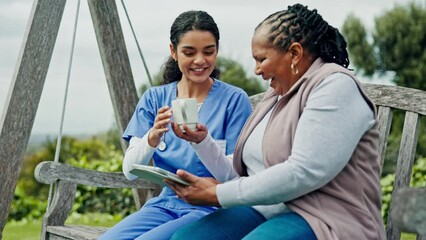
x: 22, y: 230
x: 31, y: 230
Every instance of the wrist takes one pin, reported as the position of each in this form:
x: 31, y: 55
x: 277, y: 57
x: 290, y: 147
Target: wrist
x: 215, y: 200
x: 153, y: 140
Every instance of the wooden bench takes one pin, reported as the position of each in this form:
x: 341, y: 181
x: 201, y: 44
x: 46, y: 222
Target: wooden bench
x: 407, y: 209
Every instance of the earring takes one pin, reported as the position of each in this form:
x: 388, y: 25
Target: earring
x: 294, y: 69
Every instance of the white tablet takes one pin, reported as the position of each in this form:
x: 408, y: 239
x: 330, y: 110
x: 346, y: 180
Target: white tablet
x: 156, y: 174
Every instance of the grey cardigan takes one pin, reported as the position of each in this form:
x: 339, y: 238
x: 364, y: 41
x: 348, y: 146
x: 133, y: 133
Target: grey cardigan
x: 349, y: 206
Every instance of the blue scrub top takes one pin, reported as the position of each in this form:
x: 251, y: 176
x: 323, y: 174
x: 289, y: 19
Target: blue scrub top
x: 224, y: 112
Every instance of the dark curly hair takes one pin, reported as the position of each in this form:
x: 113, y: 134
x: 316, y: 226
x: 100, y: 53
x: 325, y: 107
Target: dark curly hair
x: 188, y: 21
x: 299, y: 24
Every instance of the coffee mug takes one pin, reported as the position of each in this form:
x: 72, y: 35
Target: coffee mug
x: 185, y: 110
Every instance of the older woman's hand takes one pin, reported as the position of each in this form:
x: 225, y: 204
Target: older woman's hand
x: 196, y: 136
x: 201, y: 191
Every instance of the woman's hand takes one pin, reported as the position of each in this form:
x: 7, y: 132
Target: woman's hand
x: 196, y: 136
x: 201, y: 191
x: 160, y: 126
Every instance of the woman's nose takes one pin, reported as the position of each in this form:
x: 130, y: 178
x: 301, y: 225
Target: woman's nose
x: 257, y: 70
x: 199, y: 59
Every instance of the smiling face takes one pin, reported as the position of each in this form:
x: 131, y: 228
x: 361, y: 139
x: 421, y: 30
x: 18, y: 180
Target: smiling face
x: 196, y: 55
x: 272, y: 64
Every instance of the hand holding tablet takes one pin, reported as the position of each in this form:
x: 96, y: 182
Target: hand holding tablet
x: 156, y: 174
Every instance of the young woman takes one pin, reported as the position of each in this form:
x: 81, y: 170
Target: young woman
x: 306, y: 163
x: 189, y: 73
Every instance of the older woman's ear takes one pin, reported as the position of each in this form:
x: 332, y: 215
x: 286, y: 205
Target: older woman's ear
x: 296, y: 51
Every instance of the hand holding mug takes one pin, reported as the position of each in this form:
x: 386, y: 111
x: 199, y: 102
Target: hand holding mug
x: 185, y: 111
x: 160, y: 126
x: 189, y: 135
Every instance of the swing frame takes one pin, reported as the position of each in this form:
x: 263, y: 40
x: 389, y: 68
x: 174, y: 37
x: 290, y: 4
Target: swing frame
x: 30, y: 73
x: 407, y: 212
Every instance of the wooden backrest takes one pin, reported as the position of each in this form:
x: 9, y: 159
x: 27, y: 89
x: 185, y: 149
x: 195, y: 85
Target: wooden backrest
x: 388, y: 99
x: 413, y: 103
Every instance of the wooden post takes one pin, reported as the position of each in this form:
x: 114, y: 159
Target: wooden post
x: 115, y: 60
x: 24, y: 95
x: 117, y: 67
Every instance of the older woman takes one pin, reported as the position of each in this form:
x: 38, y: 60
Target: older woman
x: 306, y: 163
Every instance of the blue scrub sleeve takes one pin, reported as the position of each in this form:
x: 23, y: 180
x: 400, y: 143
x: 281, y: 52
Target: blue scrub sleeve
x: 143, y: 117
x: 238, y: 111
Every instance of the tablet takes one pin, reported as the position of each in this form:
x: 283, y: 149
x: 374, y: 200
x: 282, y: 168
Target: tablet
x: 156, y: 174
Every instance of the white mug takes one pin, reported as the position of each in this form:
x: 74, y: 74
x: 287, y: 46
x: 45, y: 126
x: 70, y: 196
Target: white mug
x: 185, y: 110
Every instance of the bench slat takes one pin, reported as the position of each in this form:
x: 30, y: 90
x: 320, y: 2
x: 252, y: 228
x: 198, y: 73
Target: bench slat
x: 408, y: 99
x: 407, y: 150
x: 48, y: 172
x: 384, y: 117
x: 404, y: 165
x: 77, y: 232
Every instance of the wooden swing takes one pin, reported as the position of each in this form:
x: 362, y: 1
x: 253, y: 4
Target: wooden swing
x: 27, y: 86
x: 55, y: 187
x: 407, y: 211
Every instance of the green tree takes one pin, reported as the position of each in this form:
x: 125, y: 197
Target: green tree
x: 361, y: 51
x: 230, y: 71
x: 72, y: 149
x: 397, y: 44
x: 95, y: 153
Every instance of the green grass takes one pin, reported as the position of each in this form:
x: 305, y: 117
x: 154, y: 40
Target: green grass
x: 22, y: 230
x: 31, y: 230
x: 408, y: 236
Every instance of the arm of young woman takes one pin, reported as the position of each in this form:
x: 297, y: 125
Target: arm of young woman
x: 140, y: 152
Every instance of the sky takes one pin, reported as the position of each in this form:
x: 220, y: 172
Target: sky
x: 89, y: 109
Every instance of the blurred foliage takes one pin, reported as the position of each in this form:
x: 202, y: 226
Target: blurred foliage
x: 418, y: 180
x: 396, y: 44
x: 361, y: 52
x: 26, y: 207
x: 96, y: 153
x: 232, y: 72
x: 103, y: 200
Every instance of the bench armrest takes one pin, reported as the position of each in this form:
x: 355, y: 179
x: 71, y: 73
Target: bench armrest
x: 48, y: 172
